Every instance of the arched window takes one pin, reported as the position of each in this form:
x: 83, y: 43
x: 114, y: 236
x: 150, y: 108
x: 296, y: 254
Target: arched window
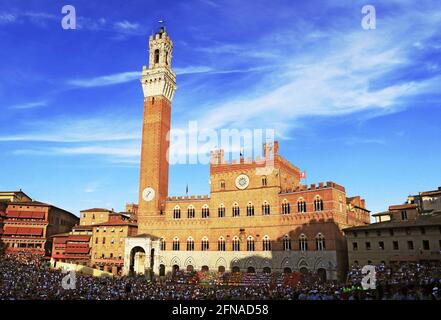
x: 264, y: 181
x: 166, y: 57
x: 286, y: 243
x: 303, y: 243
x: 177, y: 213
x: 286, y: 209
x: 205, y: 244
x: 236, y: 244
x: 320, y: 242
x: 190, y: 212
x: 157, y: 56
x: 250, y: 243
x: 318, y: 204
x: 222, y: 184
x: 221, y: 244
x: 190, y: 244
x: 176, y: 244
x: 221, y: 211
x: 236, y: 210
x: 301, y: 205
x: 266, y: 243
x: 265, y: 209
x: 205, y: 211
x: 250, y: 209
x: 163, y: 244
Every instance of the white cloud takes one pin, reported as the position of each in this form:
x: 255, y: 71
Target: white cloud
x: 6, y: 18
x: 62, y: 130
x: 107, y: 80
x: 126, y: 25
x: 29, y: 105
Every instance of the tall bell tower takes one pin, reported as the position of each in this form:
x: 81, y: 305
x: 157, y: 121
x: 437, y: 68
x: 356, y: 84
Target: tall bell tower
x: 159, y: 85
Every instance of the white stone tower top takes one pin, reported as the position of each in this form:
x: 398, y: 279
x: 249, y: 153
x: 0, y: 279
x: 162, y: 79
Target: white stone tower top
x: 159, y: 78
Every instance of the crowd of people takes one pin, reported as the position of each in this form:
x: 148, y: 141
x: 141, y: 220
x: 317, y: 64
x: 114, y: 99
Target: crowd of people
x: 25, y: 276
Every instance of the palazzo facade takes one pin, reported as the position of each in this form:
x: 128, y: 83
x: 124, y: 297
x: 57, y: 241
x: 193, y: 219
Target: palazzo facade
x: 258, y: 216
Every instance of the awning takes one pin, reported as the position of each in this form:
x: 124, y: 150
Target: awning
x: 24, y: 214
x: 77, y: 250
x: 78, y: 238
x: 23, y: 231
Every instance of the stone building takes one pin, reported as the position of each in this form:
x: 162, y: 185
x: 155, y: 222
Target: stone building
x: 93, y: 216
x: 108, y: 242
x: 74, y: 246
x: 406, y: 232
x: 258, y: 216
x: 28, y: 225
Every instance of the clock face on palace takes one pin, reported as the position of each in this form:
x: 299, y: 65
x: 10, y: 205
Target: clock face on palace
x: 148, y: 194
x: 242, y: 181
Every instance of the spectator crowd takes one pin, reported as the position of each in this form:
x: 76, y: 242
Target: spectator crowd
x: 25, y: 276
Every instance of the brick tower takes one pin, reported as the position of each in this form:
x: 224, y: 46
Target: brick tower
x: 158, y: 84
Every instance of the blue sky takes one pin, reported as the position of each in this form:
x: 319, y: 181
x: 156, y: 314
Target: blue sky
x: 354, y: 106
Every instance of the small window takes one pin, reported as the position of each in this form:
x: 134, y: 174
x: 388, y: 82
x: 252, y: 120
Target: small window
x: 395, y: 245
x: 264, y: 181
x: 318, y: 204
x: 190, y: 212
x: 404, y: 215
x: 381, y: 245
x: 157, y: 56
x: 221, y: 244
x: 250, y: 243
x: 354, y: 246
x: 303, y: 243
x: 410, y: 245
x: 205, y: 245
x: 221, y: 211
x: 426, y: 245
x: 222, y: 184
x: 368, y: 245
x: 176, y: 244
x: 236, y: 244
x: 177, y: 213
x: 250, y: 210
x: 266, y: 244
x: 236, y: 210
x: 286, y: 208
x: 205, y: 212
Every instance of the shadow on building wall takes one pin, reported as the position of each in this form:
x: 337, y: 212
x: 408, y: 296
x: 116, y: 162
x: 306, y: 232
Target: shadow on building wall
x: 317, y: 246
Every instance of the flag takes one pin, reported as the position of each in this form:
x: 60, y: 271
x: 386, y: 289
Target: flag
x: 303, y: 175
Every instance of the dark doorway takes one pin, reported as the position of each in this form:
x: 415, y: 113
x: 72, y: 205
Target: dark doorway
x: 322, y: 274
x: 161, y: 270
x: 251, y: 270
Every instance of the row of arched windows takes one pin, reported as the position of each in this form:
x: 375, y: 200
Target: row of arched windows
x: 250, y: 243
x: 235, y: 210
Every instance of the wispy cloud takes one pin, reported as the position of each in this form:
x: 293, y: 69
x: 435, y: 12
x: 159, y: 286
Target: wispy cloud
x: 64, y: 130
x: 126, y: 25
x: 346, y: 74
x: 107, y: 80
x: 7, y: 18
x: 29, y: 105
